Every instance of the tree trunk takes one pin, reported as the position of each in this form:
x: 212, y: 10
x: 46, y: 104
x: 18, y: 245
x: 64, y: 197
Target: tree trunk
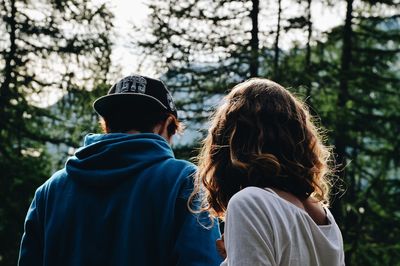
x: 307, y: 63
x: 5, y: 91
x: 254, y: 42
x: 340, y: 135
x: 278, y: 30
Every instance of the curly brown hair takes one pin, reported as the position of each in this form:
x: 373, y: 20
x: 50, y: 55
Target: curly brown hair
x: 261, y: 136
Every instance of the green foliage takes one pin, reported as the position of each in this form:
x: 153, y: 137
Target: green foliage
x: 56, y: 47
x: 21, y: 175
x: 363, y: 118
x: 348, y: 75
x: 200, y: 47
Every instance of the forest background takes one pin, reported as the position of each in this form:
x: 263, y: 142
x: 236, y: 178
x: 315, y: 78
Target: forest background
x: 349, y: 74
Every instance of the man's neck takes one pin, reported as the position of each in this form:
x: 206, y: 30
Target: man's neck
x: 162, y: 134
x: 133, y: 132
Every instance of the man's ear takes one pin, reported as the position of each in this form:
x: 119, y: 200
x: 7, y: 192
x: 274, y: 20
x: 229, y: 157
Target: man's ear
x: 162, y: 128
x: 104, y: 125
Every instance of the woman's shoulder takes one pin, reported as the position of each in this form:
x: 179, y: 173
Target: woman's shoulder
x: 252, y: 205
x: 247, y: 193
x: 273, y: 200
x: 250, y: 197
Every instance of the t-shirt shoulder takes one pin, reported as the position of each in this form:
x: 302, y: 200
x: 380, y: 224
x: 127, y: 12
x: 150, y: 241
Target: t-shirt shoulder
x: 251, y: 196
x: 257, y: 199
x: 253, y: 201
x: 289, y: 228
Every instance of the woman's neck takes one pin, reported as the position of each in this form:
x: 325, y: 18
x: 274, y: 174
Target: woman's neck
x: 310, y: 205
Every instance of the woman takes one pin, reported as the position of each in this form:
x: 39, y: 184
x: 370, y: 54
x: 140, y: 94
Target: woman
x: 263, y: 168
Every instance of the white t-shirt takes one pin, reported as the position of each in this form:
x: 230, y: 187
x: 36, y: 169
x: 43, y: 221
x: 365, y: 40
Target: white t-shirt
x: 264, y: 229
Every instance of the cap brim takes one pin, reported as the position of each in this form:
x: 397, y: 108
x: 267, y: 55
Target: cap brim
x: 132, y: 102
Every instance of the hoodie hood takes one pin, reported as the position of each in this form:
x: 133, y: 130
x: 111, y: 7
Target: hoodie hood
x: 108, y: 159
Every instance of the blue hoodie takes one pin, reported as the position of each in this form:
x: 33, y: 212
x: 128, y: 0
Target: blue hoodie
x: 120, y: 200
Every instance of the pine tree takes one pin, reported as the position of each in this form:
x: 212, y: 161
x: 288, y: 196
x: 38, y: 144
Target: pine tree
x: 349, y: 76
x: 202, y: 47
x: 355, y: 93
x: 46, y: 47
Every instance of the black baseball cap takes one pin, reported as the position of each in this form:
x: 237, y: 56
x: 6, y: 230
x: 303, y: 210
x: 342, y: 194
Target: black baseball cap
x: 137, y: 94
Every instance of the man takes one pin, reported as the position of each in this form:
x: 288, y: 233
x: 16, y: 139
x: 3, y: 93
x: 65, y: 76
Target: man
x: 121, y: 199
